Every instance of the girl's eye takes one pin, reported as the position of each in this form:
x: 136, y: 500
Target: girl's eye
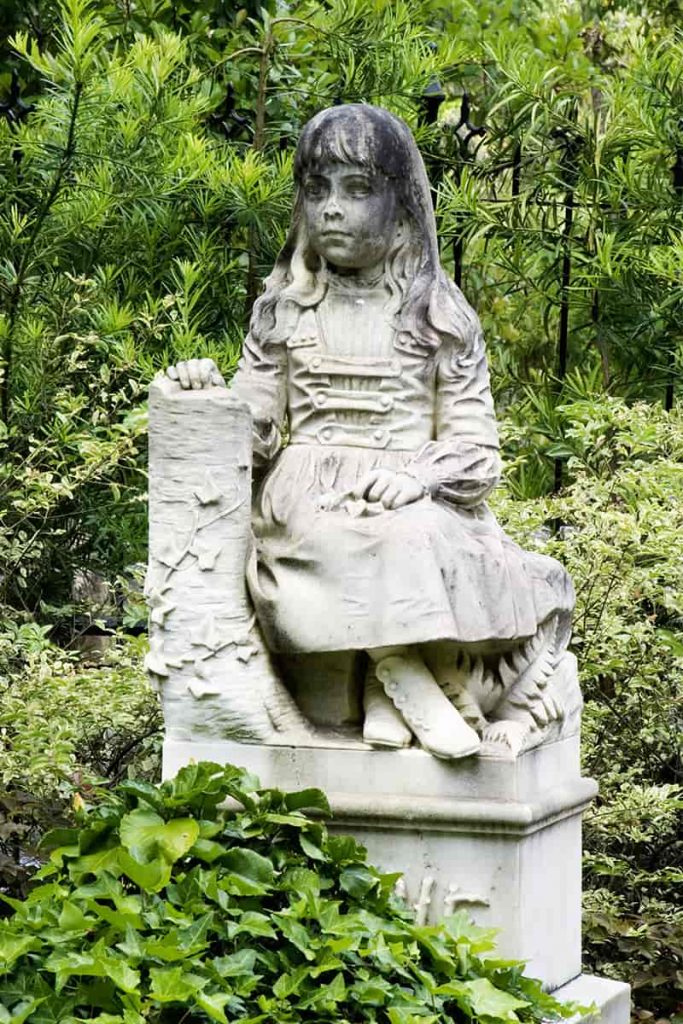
x: 360, y: 188
x: 314, y: 189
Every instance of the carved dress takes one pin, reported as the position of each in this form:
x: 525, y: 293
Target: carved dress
x: 328, y: 573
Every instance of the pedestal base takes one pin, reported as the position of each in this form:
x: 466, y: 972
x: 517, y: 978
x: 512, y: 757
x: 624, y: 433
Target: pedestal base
x: 612, y: 999
x: 498, y: 836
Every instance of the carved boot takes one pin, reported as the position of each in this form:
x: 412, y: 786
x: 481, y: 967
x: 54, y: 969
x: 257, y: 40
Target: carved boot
x: 383, y: 725
x: 439, y: 727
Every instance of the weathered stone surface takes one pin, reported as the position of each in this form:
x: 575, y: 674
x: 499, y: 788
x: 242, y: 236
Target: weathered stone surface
x: 611, y: 999
x: 206, y: 653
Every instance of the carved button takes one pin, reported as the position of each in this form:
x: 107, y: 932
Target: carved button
x: 326, y: 433
x: 315, y: 363
x: 378, y: 435
x: 386, y: 401
x: 319, y: 399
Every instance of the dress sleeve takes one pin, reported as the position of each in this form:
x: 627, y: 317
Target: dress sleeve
x: 261, y: 381
x: 462, y: 464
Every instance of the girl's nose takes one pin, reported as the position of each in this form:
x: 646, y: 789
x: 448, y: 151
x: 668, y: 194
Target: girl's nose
x: 332, y: 210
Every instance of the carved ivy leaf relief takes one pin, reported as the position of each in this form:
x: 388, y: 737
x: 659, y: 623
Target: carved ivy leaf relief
x: 159, y: 606
x: 206, y: 554
x: 155, y: 661
x: 206, y: 634
x: 171, y: 553
x: 246, y: 651
x: 201, y: 670
x: 209, y: 493
x: 201, y: 688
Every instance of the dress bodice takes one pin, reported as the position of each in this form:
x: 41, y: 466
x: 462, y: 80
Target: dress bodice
x: 348, y: 384
x: 348, y: 381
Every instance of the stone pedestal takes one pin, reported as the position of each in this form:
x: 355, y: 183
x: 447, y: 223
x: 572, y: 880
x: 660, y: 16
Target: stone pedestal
x: 499, y: 837
x: 611, y: 999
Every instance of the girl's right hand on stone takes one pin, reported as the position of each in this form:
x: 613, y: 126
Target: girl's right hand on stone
x: 196, y: 374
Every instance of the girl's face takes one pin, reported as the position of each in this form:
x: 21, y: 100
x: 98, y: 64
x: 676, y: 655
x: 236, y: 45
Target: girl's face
x: 351, y: 214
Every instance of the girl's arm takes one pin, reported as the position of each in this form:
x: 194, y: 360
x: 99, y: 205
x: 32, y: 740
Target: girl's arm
x: 462, y: 464
x: 261, y: 381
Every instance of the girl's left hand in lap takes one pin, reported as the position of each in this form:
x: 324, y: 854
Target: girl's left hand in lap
x: 392, y: 489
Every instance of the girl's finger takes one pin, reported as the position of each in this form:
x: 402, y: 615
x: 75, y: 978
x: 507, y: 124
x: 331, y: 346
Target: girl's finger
x: 194, y: 369
x: 183, y: 375
x: 377, y: 490
x: 361, y: 489
x: 206, y: 368
x: 400, y: 498
x: 390, y: 495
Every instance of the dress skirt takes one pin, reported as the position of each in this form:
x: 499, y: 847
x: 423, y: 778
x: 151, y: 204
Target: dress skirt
x: 354, y: 577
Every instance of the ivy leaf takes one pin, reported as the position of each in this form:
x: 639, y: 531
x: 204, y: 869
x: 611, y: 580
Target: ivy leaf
x: 57, y: 837
x: 95, y: 965
x: 171, y: 554
x: 483, y: 999
x: 307, y: 800
x: 327, y: 996
x: 399, y: 1015
x: 14, y: 946
x: 144, y: 833
x: 235, y: 965
x: 246, y: 651
x: 155, y: 662
x: 310, y: 848
x: 213, y: 1004
x: 287, y: 984
x: 174, y: 985
x: 209, y: 493
x: 22, y: 1011
x: 358, y: 881
x: 159, y: 606
x: 206, y: 554
x: 250, y: 873
x: 345, y: 849
x: 132, y: 946
x: 177, y: 837
x: 253, y: 923
x: 72, y: 918
x: 144, y: 791
x: 206, y: 634
x: 207, y: 850
x: 297, y: 934
x: 150, y: 877
x: 371, y: 993
x: 139, y: 831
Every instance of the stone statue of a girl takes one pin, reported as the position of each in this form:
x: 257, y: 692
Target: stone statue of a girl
x: 371, y: 531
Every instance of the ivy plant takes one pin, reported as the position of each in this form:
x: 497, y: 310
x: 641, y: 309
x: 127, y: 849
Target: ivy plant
x: 207, y: 899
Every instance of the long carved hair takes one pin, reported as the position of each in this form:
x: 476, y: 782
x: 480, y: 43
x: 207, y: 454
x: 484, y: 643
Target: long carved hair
x: 426, y: 304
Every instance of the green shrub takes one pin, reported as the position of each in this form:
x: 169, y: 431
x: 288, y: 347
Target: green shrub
x: 164, y: 905
x: 617, y: 528
x: 64, y: 726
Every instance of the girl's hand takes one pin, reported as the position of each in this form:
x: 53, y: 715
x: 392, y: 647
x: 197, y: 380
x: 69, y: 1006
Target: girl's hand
x: 196, y: 374
x: 393, y: 490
